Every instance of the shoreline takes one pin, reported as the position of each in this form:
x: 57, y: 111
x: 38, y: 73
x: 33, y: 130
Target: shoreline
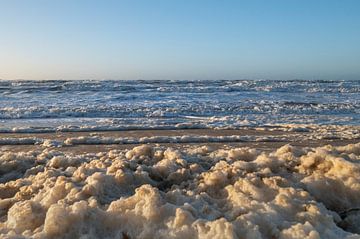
x: 100, y: 141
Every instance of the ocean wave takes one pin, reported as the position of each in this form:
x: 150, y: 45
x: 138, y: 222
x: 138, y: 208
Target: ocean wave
x: 312, y: 101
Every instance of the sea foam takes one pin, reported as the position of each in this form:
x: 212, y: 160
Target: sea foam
x: 193, y: 192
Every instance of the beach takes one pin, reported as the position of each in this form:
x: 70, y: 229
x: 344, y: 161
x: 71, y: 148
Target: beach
x: 264, y: 138
x: 265, y: 182
x: 180, y: 119
x: 179, y: 159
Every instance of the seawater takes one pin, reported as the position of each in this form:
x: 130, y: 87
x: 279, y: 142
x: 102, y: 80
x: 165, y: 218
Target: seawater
x: 109, y: 104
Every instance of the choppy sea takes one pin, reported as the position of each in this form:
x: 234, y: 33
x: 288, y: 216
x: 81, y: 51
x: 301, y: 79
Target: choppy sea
x: 37, y: 106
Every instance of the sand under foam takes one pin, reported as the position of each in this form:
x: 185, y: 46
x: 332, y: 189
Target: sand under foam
x: 196, y: 192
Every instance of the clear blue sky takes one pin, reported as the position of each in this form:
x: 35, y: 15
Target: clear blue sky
x: 179, y: 39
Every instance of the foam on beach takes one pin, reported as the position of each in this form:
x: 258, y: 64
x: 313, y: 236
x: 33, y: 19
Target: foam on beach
x: 194, y: 192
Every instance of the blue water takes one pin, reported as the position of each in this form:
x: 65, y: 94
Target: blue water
x: 170, y: 104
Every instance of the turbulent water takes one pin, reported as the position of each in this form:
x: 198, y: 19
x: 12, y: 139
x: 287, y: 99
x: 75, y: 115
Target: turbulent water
x: 76, y: 105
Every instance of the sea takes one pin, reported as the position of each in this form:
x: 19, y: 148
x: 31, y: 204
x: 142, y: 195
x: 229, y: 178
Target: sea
x: 85, y: 105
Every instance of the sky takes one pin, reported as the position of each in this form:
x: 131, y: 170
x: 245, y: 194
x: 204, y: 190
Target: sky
x: 179, y: 39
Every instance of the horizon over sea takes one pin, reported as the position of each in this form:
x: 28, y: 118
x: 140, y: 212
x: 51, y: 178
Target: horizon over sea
x: 50, y: 105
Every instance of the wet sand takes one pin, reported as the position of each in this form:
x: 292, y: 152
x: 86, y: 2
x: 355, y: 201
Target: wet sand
x: 301, y: 139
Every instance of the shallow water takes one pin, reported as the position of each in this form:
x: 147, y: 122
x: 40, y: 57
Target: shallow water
x: 71, y: 105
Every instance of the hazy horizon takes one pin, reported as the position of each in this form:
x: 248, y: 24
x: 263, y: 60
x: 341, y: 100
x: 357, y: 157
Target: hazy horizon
x: 254, y: 79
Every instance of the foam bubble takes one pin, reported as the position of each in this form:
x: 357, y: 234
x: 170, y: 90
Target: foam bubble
x: 194, y: 192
